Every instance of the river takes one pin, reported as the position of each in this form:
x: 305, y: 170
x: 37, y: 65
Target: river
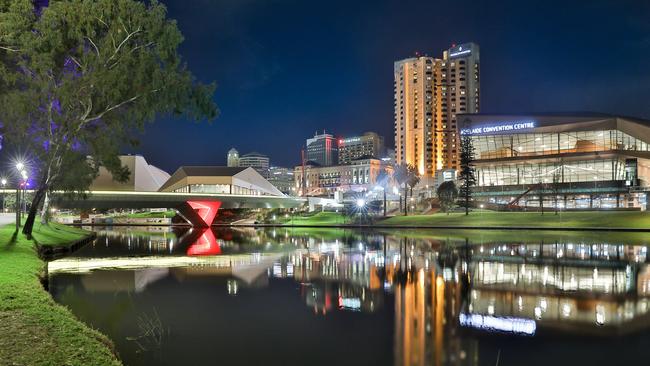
x: 331, y: 296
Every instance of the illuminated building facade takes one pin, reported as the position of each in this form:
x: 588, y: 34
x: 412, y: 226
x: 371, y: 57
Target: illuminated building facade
x: 368, y: 145
x: 233, y: 157
x: 322, y: 149
x: 144, y: 177
x: 358, y: 176
x: 257, y: 161
x: 282, y: 179
x: 219, y: 180
x: 429, y: 94
x: 578, y: 161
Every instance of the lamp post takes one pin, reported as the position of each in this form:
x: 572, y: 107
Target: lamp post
x: 3, y: 181
x: 20, y: 168
x: 23, y: 175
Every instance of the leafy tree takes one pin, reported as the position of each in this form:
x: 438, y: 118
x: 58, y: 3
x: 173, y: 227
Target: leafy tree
x: 413, y: 179
x: 447, y: 195
x: 401, y: 175
x: 79, y: 77
x: 383, y: 180
x: 467, y: 175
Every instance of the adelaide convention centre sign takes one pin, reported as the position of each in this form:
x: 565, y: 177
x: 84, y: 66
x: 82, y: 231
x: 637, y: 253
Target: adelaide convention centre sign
x: 502, y: 127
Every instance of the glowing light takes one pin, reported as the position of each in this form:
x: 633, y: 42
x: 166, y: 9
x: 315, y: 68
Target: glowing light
x: 519, y: 125
x: 207, y: 210
x: 206, y: 244
x: 361, y: 203
x: 501, y: 324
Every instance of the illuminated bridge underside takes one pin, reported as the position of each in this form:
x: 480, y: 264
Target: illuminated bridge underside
x: 197, y: 209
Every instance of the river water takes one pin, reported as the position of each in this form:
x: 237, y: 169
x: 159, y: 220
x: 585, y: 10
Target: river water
x: 343, y: 297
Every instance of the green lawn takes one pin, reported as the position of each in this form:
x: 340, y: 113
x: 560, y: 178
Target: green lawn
x: 605, y: 219
x: 34, y: 330
x: 318, y: 219
x: 484, y: 218
x: 149, y: 215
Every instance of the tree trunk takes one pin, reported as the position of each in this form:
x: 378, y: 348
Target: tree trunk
x: 466, y: 200
x: 46, y: 206
x: 31, y: 217
x: 406, y: 201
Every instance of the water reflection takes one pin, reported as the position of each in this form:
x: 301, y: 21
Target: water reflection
x: 393, y: 299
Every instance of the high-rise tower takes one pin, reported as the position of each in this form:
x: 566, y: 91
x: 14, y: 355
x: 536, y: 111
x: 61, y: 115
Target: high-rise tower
x: 429, y: 92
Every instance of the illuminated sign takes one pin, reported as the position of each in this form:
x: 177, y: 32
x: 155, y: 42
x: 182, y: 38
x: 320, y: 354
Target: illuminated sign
x: 462, y: 50
x: 500, y: 324
x: 448, y: 175
x: 505, y: 127
x: 349, y: 303
x: 352, y: 139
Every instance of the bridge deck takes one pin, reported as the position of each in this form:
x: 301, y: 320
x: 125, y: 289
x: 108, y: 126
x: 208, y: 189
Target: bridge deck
x: 113, y: 199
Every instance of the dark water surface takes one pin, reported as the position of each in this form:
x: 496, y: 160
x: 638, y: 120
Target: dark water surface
x: 342, y: 297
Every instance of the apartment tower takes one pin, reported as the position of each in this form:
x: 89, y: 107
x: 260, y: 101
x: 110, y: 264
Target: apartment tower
x: 429, y: 93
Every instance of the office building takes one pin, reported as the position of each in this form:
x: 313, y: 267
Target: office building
x: 368, y: 145
x: 322, y: 149
x: 257, y: 161
x: 282, y: 179
x: 357, y: 176
x: 429, y: 94
x: 233, y: 158
x: 577, y: 161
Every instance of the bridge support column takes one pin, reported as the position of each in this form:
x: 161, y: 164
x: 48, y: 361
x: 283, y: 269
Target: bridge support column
x: 199, y: 213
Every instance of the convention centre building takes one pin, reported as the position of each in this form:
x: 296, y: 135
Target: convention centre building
x: 574, y: 161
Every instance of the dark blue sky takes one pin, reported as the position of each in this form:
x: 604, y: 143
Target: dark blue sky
x: 285, y: 69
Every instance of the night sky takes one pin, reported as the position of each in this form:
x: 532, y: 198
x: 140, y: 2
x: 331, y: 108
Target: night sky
x: 285, y: 69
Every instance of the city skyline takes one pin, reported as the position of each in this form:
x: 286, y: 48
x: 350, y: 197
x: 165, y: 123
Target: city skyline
x: 276, y: 87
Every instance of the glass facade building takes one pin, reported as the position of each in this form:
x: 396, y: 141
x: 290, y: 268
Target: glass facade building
x: 584, y: 161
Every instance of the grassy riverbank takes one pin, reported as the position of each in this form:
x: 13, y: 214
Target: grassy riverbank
x: 484, y: 218
x: 34, y: 330
x: 592, y: 219
x: 317, y: 219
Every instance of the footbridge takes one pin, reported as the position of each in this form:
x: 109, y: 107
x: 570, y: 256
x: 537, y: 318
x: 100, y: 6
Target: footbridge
x: 199, y: 209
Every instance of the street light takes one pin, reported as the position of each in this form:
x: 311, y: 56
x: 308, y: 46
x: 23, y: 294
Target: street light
x: 361, y: 203
x: 25, y: 177
x: 20, y: 167
x: 3, y: 181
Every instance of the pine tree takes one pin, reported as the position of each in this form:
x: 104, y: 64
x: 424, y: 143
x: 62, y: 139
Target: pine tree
x: 467, y: 174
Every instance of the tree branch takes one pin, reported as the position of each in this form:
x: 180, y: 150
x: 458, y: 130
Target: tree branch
x: 94, y: 45
x: 9, y: 49
x: 119, y: 47
x: 101, y: 114
x: 76, y: 62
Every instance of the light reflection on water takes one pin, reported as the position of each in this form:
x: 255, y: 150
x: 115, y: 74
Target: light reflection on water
x: 285, y: 297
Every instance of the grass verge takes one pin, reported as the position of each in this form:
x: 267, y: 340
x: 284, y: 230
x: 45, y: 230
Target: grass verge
x: 600, y: 219
x: 34, y: 330
x: 484, y: 218
x: 321, y: 218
